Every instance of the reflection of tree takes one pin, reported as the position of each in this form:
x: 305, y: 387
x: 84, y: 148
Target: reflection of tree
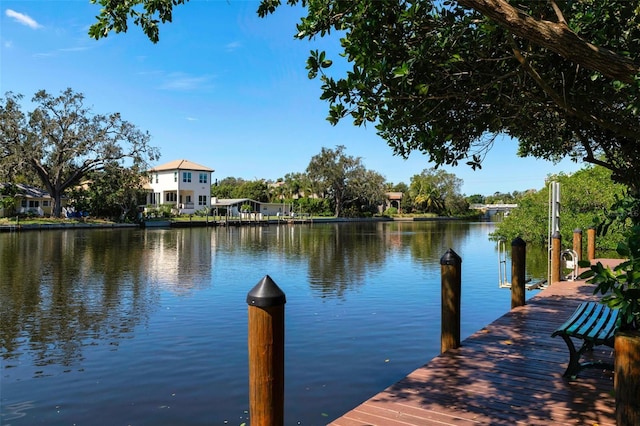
x: 537, y: 260
x: 341, y: 257
x: 80, y: 288
x: 430, y: 240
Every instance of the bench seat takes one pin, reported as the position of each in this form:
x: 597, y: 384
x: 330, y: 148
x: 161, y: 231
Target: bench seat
x: 594, y: 324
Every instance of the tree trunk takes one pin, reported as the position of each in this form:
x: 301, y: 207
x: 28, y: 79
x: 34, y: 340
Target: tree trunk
x: 56, y: 209
x: 627, y: 377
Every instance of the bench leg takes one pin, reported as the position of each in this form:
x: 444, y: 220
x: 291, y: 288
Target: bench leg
x: 574, y: 358
x: 575, y: 366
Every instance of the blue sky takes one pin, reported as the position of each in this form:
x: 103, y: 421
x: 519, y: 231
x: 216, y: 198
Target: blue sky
x: 223, y: 88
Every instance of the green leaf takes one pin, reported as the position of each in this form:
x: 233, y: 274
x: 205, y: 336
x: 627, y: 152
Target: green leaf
x: 401, y: 71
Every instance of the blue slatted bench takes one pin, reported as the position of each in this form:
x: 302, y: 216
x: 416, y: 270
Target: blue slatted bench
x: 594, y: 324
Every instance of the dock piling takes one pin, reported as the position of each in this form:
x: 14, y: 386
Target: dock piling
x: 577, y: 242
x: 556, y: 249
x: 518, y: 267
x: 451, y: 282
x: 266, y: 353
x: 591, y: 243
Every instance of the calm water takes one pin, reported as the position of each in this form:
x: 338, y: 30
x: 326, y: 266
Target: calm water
x: 149, y: 327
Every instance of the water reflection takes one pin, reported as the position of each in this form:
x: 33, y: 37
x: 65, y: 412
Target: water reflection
x: 62, y: 291
x: 177, y: 260
x: 125, y: 304
x: 65, y: 290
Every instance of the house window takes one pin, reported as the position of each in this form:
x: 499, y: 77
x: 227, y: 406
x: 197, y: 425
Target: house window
x: 170, y: 197
x: 202, y: 200
x: 188, y: 198
x: 175, y: 176
x: 186, y: 176
x: 46, y: 203
x: 203, y: 178
x: 156, y: 178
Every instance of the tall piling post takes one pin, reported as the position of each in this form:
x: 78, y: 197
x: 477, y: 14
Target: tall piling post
x: 591, y: 243
x: 518, y: 268
x: 556, y: 248
x: 626, y: 382
x: 451, y: 283
x: 577, y: 243
x: 266, y: 353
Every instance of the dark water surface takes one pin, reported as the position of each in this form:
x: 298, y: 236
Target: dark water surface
x: 149, y: 327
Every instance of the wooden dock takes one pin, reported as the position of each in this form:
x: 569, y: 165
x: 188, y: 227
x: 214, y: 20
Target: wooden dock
x: 507, y: 373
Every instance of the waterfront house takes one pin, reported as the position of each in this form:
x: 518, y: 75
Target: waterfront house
x: 183, y: 184
x: 247, y: 208
x: 29, y: 200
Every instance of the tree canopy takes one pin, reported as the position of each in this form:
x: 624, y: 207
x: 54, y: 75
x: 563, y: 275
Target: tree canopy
x: 444, y: 78
x: 437, y: 191
x: 345, y: 181
x: 231, y: 187
x: 113, y: 192
x: 62, y: 141
x: 585, y: 200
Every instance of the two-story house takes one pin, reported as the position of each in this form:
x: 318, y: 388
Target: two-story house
x: 181, y: 183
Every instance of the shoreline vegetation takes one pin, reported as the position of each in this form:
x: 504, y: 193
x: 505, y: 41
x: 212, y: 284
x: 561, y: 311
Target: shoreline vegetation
x: 26, y: 224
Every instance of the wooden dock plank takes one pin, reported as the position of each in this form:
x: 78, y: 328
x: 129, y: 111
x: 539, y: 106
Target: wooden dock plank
x: 507, y: 373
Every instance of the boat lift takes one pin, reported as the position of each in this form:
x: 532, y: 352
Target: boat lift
x: 569, y: 260
x: 502, y: 270
x: 502, y: 264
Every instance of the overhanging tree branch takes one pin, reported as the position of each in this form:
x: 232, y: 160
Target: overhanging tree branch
x: 560, y: 101
x: 557, y: 37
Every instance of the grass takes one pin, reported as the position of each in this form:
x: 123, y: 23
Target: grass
x: 51, y: 221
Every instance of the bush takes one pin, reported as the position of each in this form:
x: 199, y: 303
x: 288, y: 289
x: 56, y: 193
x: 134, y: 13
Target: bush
x: 202, y: 212
x: 391, y: 211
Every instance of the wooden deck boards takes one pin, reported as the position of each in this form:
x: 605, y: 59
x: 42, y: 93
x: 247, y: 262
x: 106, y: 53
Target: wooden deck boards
x: 508, y: 373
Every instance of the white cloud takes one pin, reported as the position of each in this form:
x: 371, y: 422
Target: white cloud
x: 183, y: 82
x: 23, y: 19
x: 192, y: 119
x: 74, y: 49
x: 235, y: 45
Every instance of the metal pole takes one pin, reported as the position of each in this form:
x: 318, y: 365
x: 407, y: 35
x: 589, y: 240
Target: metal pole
x: 451, y: 290
x: 266, y: 353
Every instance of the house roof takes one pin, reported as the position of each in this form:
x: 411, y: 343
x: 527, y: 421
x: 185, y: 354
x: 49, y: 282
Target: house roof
x: 28, y: 191
x: 181, y: 165
x: 223, y: 202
